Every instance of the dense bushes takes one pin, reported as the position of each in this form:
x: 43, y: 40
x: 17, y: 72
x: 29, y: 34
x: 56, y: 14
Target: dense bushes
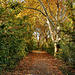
x: 12, y: 49
x: 30, y: 45
x: 50, y: 48
x: 13, y: 37
x: 67, y: 48
x: 67, y: 53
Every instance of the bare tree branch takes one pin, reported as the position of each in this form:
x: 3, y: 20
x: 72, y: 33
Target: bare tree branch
x: 50, y: 10
x: 64, y: 13
x: 64, y: 19
x: 61, y: 13
x: 57, y: 14
x: 47, y: 15
x: 35, y: 9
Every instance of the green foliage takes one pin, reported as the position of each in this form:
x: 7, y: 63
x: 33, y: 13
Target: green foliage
x: 65, y: 71
x: 50, y: 48
x: 11, y: 49
x: 72, y: 53
x: 67, y: 44
x: 64, y: 52
x: 29, y: 45
x: 14, y: 34
x: 67, y: 52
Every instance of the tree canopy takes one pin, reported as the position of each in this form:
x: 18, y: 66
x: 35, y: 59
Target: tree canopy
x: 36, y: 25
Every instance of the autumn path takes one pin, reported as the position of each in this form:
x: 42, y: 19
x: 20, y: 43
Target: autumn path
x: 38, y: 63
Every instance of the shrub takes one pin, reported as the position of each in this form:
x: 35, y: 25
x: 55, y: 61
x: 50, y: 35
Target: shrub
x: 50, y: 48
x: 12, y: 49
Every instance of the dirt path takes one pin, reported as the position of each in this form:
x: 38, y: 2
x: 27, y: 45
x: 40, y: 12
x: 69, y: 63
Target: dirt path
x: 38, y: 63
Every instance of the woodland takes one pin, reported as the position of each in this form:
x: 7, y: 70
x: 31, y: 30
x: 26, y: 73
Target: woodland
x: 46, y: 25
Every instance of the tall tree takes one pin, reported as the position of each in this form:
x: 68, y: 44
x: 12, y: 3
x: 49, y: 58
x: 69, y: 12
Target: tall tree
x: 55, y: 16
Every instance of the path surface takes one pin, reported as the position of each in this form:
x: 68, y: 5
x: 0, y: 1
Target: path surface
x: 38, y: 63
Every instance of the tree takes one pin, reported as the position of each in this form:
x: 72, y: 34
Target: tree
x: 54, y: 16
x: 43, y: 34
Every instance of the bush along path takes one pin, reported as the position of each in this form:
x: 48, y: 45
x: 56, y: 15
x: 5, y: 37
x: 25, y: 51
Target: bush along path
x: 37, y: 63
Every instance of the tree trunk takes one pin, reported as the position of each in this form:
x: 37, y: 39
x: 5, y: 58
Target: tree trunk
x: 38, y: 43
x: 55, y: 49
x: 50, y: 29
x: 38, y: 46
x: 42, y: 47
